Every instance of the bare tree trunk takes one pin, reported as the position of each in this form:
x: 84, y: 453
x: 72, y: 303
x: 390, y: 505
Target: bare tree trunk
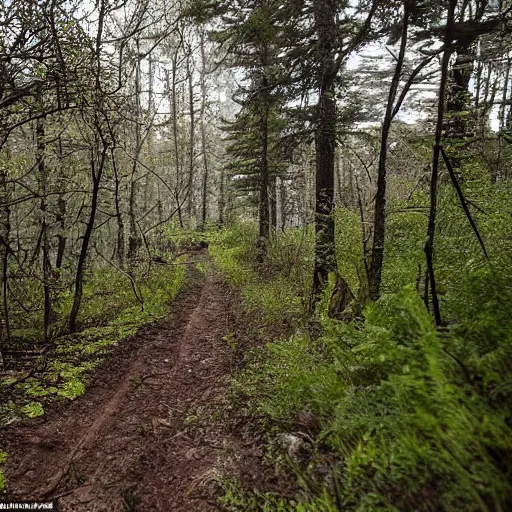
x: 191, y: 141
x: 5, y: 216
x: 222, y: 197
x: 97, y: 168
x: 273, y: 204
x: 60, y: 217
x: 119, y: 213
x: 264, y: 221
x: 204, y: 146
x: 177, y: 153
x: 98, y: 155
x: 134, y: 240
x: 459, y: 97
x: 379, y: 219
x: 42, y: 178
x: 264, y: 184
x: 431, y: 229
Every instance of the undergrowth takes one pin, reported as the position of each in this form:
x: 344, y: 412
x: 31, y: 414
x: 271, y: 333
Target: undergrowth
x: 3, y: 460
x: 111, y: 313
x: 406, y: 416
x: 274, y: 292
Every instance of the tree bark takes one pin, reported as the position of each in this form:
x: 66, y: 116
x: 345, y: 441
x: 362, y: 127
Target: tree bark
x: 97, y: 168
x: 431, y: 229
x: 191, y: 142
x: 119, y: 213
x: 5, y: 216
x: 273, y: 204
x: 45, y: 247
x: 61, y: 220
x: 379, y: 218
x: 134, y: 239
x: 204, y: 145
x: 222, y: 197
x: 325, y: 141
x: 264, y: 182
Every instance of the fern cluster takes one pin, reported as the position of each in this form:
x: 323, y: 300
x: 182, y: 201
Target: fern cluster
x: 410, y: 427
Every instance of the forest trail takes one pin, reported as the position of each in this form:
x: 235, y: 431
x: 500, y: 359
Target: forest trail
x: 134, y: 440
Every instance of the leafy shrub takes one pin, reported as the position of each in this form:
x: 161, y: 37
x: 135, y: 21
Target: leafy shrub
x: 409, y: 433
x: 273, y: 298
x: 180, y: 239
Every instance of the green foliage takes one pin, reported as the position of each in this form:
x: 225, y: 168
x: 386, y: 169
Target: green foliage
x: 415, y: 418
x: 409, y: 431
x: 3, y: 460
x: 237, y: 499
x: 230, y: 340
x: 233, y: 252
x: 349, y: 251
x: 109, y: 305
x: 275, y: 292
x: 290, y: 256
x: 483, y: 339
x: 244, y: 135
x: 181, y: 239
x: 404, y: 256
x: 33, y: 409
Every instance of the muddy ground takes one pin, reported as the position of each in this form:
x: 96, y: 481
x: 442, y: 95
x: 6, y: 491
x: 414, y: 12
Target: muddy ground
x: 153, y: 432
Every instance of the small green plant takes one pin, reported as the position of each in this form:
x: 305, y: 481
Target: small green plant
x: 230, y: 339
x: 3, y: 460
x: 33, y: 409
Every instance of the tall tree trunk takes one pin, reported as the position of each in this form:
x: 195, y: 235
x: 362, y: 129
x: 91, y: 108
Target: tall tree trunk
x: 264, y: 221
x: 264, y: 182
x: 431, y: 229
x: 204, y: 146
x: 177, y: 153
x: 134, y: 239
x: 273, y: 204
x: 119, y: 213
x: 60, y: 217
x: 379, y: 218
x: 325, y: 139
x: 42, y: 178
x: 325, y: 142
x: 191, y: 141
x: 458, y: 95
x: 222, y: 197
x: 97, y: 168
x: 5, y: 227
x: 478, y: 87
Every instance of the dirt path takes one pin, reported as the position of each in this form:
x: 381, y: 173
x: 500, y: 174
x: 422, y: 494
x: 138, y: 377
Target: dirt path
x: 140, y: 438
